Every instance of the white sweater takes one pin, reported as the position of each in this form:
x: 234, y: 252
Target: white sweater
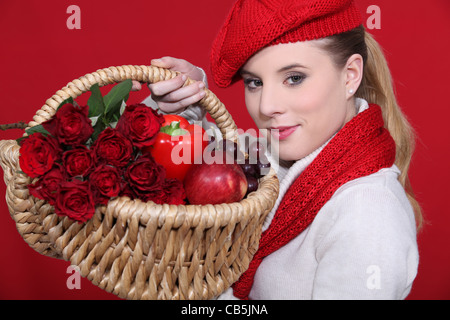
x: 361, y: 245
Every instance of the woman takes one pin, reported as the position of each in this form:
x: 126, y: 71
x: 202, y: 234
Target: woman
x: 344, y: 225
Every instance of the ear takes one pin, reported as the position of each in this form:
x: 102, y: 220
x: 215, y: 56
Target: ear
x: 353, y: 74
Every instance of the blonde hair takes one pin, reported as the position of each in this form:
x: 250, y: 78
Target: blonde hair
x: 377, y: 87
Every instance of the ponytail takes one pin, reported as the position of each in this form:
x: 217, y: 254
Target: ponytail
x: 377, y: 87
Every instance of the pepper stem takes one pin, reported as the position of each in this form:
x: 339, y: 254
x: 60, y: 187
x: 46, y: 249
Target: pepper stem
x: 173, y: 129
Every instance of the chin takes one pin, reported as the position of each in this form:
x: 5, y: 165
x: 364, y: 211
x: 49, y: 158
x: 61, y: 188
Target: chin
x: 293, y: 152
x: 289, y: 156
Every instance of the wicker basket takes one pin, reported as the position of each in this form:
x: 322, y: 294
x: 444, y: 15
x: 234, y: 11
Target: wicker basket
x: 140, y: 250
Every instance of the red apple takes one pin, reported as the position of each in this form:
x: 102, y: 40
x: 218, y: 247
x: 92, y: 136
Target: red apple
x: 214, y: 183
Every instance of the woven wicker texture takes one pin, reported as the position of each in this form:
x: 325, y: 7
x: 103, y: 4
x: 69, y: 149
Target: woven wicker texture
x: 140, y: 250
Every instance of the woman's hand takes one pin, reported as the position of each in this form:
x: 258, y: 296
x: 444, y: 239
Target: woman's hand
x: 170, y: 95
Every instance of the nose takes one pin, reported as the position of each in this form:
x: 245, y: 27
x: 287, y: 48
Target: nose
x: 270, y: 104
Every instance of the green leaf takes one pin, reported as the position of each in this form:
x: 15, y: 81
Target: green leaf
x: 19, y: 140
x: 98, y: 128
x: 68, y: 100
x: 96, y: 103
x: 38, y: 128
x: 113, y: 100
x: 30, y: 131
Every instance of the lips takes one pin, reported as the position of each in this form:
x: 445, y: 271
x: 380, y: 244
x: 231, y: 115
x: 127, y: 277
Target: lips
x: 283, y: 132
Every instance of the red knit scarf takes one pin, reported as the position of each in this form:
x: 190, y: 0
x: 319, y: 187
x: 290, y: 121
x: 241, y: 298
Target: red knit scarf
x: 362, y: 147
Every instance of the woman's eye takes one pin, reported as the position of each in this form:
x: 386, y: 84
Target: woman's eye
x: 295, y: 79
x: 252, y: 83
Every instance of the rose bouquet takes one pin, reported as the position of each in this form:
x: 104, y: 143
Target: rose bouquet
x: 85, y: 155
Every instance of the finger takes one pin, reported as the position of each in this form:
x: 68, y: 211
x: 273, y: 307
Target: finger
x: 181, y: 105
x: 167, y: 86
x: 183, y: 93
x: 193, y: 99
x: 136, y: 86
x: 171, y: 63
x: 162, y: 62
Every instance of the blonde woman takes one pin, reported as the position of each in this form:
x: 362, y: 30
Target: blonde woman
x: 344, y: 225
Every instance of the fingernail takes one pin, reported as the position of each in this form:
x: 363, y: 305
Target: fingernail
x: 155, y: 61
x: 183, y: 77
x: 201, y: 85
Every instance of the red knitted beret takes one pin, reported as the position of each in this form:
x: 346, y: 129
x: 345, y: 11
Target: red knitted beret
x: 255, y: 24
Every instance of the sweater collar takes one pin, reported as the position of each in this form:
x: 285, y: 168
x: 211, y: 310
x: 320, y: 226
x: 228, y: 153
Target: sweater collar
x: 288, y: 172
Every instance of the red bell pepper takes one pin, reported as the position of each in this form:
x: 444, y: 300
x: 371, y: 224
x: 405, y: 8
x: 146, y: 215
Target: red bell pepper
x: 178, y: 145
x: 169, y: 118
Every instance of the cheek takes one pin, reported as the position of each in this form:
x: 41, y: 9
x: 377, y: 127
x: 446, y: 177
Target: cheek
x: 321, y: 114
x: 322, y: 109
x: 320, y: 95
x: 252, y: 104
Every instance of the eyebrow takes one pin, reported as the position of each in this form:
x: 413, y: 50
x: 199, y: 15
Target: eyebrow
x: 245, y: 72
x: 288, y: 67
x: 292, y: 66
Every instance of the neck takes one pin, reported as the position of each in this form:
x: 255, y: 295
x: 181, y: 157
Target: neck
x: 352, y: 109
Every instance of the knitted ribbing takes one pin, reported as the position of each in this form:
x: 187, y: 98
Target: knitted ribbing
x: 254, y: 24
x: 362, y: 147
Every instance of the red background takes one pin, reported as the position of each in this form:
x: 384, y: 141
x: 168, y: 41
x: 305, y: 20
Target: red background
x: 40, y: 55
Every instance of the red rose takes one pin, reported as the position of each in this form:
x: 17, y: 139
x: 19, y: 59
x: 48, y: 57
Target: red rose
x: 127, y: 191
x: 141, y: 124
x: 145, y: 176
x: 70, y: 125
x: 112, y: 147
x: 78, y: 161
x: 46, y: 188
x: 105, y: 183
x: 38, y: 153
x: 170, y: 192
x: 173, y: 192
x: 157, y: 195
x: 75, y: 201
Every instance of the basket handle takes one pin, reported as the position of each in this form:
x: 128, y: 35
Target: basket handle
x: 9, y: 158
x: 149, y: 74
